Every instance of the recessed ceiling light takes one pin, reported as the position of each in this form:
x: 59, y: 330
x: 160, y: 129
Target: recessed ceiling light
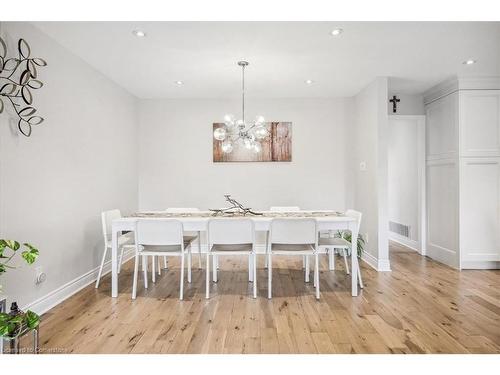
x: 309, y: 81
x: 469, y: 62
x: 337, y: 31
x: 139, y: 33
x: 179, y: 83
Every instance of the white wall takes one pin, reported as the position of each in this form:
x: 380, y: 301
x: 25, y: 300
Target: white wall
x: 369, y: 136
x: 403, y: 195
x: 80, y: 161
x: 175, y: 157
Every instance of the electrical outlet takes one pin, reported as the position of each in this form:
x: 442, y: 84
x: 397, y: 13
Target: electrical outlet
x: 40, y: 276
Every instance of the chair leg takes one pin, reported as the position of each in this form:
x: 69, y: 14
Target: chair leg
x: 181, y: 296
x: 214, y: 265
x: 255, y: 275
x: 101, y: 267
x: 359, y: 277
x: 120, y: 260
x: 153, y: 268
x: 199, y: 250
x: 145, y: 270
x: 250, y: 267
x: 307, y: 270
x: 269, y: 276
x: 265, y: 261
x: 331, y: 259
x: 190, y: 262
x: 304, y: 261
x: 344, y: 253
x: 165, y: 262
x: 207, y: 271
x: 136, y: 271
x: 316, y: 273
x: 159, y: 265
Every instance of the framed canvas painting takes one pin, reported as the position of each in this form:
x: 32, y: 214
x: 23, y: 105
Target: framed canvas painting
x: 277, y: 146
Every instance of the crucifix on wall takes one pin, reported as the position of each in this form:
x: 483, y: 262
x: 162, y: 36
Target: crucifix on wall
x: 394, y: 102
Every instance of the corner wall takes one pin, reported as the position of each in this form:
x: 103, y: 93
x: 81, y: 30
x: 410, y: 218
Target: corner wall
x: 368, y: 170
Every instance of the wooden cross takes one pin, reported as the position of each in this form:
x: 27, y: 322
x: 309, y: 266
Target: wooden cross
x: 394, y: 102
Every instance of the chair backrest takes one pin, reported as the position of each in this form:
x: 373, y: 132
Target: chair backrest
x: 107, y: 218
x: 159, y: 232
x: 285, y: 208
x: 355, y: 214
x: 293, y: 231
x: 230, y: 231
x: 180, y: 210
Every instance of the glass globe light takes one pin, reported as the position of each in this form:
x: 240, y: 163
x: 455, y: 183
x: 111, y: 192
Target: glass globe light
x: 220, y: 134
x: 240, y: 123
x: 227, y: 147
x: 261, y: 132
x: 257, y: 147
x: 229, y: 119
x: 259, y: 120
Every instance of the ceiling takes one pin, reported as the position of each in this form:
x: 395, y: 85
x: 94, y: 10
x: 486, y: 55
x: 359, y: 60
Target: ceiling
x: 282, y: 55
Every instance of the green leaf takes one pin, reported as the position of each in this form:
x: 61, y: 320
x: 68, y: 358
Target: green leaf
x: 2, y: 269
x: 4, y: 317
x: 32, y: 319
x: 4, y: 329
x: 30, y: 255
x: 14, y: 245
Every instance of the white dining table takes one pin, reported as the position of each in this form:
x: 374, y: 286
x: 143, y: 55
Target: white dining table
x: 194, y: 223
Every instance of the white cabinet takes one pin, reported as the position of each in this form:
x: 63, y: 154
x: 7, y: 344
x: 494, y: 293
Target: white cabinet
x: 463, y: 173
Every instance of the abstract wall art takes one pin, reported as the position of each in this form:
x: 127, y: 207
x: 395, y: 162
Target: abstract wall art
x: 277, y: 146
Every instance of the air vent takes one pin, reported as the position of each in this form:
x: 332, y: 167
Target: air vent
x: 401, y: 229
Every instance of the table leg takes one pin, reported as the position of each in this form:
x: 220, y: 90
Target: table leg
x: 354, y: 258
x: 114, y: 264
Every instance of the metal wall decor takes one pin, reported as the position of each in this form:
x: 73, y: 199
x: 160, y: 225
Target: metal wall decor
x: 18, y: 77
x: 236, y: 209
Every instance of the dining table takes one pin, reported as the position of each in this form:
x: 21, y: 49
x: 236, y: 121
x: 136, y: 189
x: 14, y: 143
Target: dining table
x: 198, y: 222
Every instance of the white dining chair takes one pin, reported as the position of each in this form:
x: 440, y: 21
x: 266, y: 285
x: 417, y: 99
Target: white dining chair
x: 125, y: 241
x: 329, y: 244
x: 286, y: 209
x: 160, y: 237
x: 293, y: 236
x: 231, y: 236
x: 188, y: 236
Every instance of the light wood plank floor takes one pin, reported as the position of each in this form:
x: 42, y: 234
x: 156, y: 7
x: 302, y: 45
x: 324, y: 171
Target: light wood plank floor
x: 419, y: 307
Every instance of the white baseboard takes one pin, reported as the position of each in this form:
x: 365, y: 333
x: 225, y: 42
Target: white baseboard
x: 482, y: 265
x: 380, y: 265
x: 55, y: 297
x: 370, y: 260
x: 384, y: 265
x: 412, y: 244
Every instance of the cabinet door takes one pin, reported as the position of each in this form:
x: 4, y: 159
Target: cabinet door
x: 442, y: 128
x: 479, y: 211
x: 480, y: 123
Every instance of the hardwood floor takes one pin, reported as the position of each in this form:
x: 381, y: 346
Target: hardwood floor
x: 419, y: 307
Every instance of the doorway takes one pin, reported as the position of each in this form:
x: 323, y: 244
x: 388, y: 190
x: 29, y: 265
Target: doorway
x: 406, y: 181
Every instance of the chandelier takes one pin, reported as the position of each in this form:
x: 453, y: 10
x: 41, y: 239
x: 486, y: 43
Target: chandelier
x: 238, y: 132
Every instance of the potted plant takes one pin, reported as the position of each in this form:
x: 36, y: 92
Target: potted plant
x: 347, y: 235
x: 14, y: 324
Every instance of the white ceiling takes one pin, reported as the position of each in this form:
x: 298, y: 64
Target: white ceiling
x: 282, y: 55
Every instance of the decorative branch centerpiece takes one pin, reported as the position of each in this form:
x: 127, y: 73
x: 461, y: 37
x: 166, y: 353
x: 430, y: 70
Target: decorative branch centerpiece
x: 236, y: 209
x: 18, y: 77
